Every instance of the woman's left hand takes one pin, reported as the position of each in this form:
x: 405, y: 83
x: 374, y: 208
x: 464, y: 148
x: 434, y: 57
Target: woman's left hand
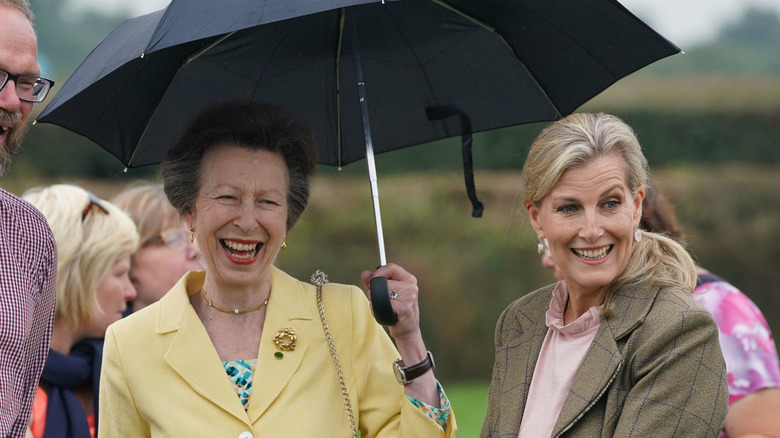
x: 406, y: 332
x: 405, y: 305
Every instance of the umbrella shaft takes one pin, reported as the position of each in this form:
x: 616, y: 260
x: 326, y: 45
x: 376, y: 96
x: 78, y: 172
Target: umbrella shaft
x: 375, y: 197
x: 361, y: 89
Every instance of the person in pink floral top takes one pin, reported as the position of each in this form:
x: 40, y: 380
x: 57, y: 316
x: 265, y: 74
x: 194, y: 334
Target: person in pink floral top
x: 745, y: 338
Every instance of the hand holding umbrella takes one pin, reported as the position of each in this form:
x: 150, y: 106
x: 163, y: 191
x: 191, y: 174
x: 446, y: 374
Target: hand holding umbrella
x: 403, y: 295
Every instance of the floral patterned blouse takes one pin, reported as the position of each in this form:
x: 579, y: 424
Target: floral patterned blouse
x: 745, y: 337
x: 241, y: 373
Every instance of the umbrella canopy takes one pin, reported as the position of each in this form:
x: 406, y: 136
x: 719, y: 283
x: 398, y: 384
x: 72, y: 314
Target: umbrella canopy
x: 502, y: 62
x: 365, y: 75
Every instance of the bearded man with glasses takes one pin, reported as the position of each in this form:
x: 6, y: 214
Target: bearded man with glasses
x: 28, y: 255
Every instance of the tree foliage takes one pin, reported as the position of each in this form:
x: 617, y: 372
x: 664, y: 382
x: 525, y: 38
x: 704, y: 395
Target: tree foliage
x: 66, y: 37
x: 747, y: 46
x: 756, y: 28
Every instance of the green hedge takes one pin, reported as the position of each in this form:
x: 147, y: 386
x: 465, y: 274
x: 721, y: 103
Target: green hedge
x: 669, y: 137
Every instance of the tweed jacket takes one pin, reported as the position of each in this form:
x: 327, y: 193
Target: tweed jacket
x: 162, y: 376
x: 654, y: 368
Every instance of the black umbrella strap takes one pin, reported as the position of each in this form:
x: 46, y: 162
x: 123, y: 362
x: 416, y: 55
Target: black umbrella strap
x: 468, y: 174
x: 443, y: 112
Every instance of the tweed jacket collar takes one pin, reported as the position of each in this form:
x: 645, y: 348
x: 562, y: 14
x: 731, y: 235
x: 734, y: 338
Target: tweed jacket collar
x: 193, y: 357
x: 599, y: 368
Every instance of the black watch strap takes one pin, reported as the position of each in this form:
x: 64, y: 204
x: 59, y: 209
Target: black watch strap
x: 406, y: 374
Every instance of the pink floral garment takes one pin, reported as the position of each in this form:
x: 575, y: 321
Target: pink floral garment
x: 745, y: 338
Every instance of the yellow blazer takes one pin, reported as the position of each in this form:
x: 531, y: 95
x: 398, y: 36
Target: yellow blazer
x: 162, y: 376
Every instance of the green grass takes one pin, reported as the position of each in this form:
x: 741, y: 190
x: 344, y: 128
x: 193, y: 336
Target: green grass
x: 469, y: 402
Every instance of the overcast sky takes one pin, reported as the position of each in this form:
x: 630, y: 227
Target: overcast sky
x: 684, y: 22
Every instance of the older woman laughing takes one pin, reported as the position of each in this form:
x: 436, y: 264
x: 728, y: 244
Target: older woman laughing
x: 243, y: 349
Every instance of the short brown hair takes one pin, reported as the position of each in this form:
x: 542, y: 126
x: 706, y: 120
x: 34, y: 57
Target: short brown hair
x: 658, y: 215
x: 247, y: 124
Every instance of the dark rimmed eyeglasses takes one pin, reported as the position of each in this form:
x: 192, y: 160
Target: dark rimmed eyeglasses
x: 173, y: 238
x: 94, y: 204
x: 29, y: 88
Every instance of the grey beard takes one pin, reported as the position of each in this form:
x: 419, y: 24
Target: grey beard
x: 13, y: 139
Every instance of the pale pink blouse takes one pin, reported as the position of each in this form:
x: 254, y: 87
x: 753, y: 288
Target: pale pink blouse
x: 563, y: 351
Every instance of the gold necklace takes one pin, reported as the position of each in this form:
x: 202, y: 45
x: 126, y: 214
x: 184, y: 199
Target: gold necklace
x: 233, y: 311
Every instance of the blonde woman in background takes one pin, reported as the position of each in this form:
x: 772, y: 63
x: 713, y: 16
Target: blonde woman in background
x: 94, y: 242
x: 166, y: 252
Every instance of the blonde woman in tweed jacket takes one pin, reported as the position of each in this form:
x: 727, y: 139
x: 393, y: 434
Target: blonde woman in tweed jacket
x: 618, y: 347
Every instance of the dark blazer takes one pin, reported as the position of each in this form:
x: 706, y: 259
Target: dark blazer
x: 654, y: 368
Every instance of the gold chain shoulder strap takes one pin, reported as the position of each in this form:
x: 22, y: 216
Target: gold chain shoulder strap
x: 319, y: 279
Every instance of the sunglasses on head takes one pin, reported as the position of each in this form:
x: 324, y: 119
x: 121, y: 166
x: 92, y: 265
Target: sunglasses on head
x: 94, y: 204
x: 173, y: 238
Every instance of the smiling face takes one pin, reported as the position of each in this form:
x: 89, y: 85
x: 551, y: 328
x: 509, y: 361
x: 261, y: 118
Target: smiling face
x: 18, y: 55
x: 113, y: 293
x: 588, y: 219
x: 240, y: 214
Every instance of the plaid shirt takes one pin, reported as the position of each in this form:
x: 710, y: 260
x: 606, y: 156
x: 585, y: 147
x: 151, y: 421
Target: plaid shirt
x: 28, y: 270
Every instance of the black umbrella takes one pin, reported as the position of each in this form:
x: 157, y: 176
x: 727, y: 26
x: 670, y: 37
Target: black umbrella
x: 366, y: 76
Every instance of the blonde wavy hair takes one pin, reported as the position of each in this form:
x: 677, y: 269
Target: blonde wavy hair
x: 575, y: 141
x: 89, y: 242
x: 149, y: 208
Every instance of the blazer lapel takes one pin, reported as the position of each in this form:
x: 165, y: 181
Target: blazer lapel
x: 190, y: 353
x: 288, y: 307
x: 604, y: 359
x: 598, y: 370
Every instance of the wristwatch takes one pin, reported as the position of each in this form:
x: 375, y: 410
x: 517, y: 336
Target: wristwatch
x: 405, y: 374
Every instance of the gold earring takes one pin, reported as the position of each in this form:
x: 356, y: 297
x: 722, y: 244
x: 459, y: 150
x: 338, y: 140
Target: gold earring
x: 284, y: 243
x: 192, y: 234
